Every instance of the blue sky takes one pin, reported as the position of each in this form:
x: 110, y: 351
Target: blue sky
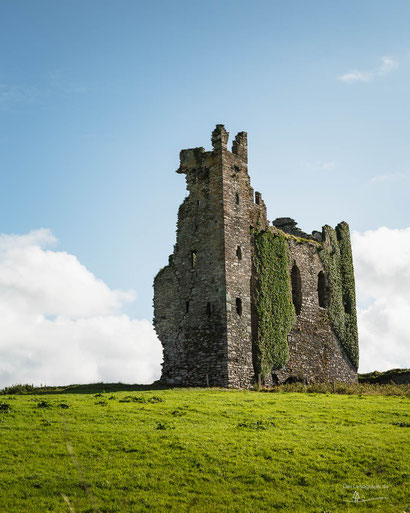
x: 98, y: 97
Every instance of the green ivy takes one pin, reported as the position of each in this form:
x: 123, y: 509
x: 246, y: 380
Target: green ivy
x: 336, y: 256
x: 273, y: 301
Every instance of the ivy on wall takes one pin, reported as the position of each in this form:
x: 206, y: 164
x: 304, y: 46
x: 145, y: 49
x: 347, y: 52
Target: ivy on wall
x: 273, y: 301
x: 336, y: 257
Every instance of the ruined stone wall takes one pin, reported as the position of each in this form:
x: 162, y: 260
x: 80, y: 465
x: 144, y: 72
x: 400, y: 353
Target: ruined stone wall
x: 189, y: 294
x: 240, y: 213
x: 315, y: 353
x: 204, y: 299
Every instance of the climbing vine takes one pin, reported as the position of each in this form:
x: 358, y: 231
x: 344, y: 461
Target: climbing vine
x: 336, y: 256
x: 273, y: 301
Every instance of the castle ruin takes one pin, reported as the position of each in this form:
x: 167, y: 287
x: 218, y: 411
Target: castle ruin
x: 242, y: 300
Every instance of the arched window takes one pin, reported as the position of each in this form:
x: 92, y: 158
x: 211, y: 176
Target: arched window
x: 239, y: 252
x: 322, y: 290
x: 296, y: 289
x: 239, y: 306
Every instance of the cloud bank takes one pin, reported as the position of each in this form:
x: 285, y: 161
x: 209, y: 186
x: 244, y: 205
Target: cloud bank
x: 59, y: 324
x: 382, y: 269
x: 387, y: 65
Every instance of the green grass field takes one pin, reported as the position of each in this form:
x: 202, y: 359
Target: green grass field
x: 202, y: 450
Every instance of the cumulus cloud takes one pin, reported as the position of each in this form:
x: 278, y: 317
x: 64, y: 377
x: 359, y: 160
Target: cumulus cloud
x: 382, y: 269
x: 59, y: 324
x: 387, y: 65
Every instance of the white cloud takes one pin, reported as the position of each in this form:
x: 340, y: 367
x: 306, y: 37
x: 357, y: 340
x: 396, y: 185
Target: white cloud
x: 320, y: 165
x: 387, y: 65
x: 389, y: 177
x: 59, y: 324
x: 13, y: 94
x: 382, y: 269
x: 357, y: 76
x: 55, y: 82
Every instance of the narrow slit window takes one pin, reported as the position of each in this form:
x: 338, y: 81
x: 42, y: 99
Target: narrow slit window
x: 322, y: 290
x: 347, y: 306
x: 186, y: 306
x: 193, y: 258
x: 237, y: 198
x: 239, y: 306
x: 258, y: 198
x: 209, y: 309
x: 296, y: 289
x: 239, y: 252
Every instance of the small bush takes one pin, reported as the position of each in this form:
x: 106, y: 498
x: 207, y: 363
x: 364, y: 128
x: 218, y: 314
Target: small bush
x: 18, y: 389
x: 64, y: 405
x: 141, y: 399
x: 5, y: 408
x: 161, y: 426
x: 179, y: 412
x: 43, y: 404
x: 256, y: 424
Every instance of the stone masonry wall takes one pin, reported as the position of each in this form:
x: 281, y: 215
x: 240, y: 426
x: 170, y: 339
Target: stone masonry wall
x: 240, y: 213
x: 315, y: 353
x: 189, y: 294
x: 203, y: 299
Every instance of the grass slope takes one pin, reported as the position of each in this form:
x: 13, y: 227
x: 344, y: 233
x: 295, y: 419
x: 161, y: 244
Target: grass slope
x: 202, y: 450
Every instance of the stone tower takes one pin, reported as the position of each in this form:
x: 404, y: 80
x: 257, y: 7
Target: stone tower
x: 207, y: 300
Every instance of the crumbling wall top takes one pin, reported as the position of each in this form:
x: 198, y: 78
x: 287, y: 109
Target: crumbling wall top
x: 220, y: 138
x: 240, y: 145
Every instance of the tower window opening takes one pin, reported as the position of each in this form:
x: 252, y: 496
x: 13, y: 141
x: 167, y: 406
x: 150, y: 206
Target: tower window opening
x: 239, y: 306
x: 239, y: 252
x: 322, y: 290
x: 296, y: 289
x: 258, y: 198
x: 208, y: 309
x: 186, y: 306
x: 193, y: 258
x: 237, y: 198
x: 237, y: 169
x: 347, y: 306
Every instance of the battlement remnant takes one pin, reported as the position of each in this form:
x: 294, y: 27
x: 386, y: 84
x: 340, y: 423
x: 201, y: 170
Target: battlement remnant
x: 241, y: 301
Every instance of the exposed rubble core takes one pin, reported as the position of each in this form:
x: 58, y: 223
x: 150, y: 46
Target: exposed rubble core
x: 209, y: 300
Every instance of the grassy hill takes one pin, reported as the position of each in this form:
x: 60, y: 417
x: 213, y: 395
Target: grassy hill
x: 118, y: 448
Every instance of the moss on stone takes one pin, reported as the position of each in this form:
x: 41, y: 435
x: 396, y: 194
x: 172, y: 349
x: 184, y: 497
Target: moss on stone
x: 336, y: 257
x: 273, y: 301
x: 300, y: 240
